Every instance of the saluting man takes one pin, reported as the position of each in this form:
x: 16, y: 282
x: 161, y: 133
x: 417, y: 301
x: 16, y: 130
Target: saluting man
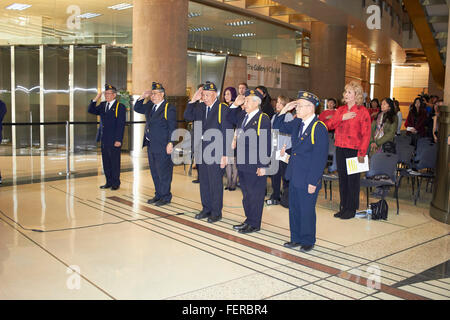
x: 306, y: 164
x: 209, y: 114
x: 251, y: 121
x: 112, y: 115
x: 161, y: 121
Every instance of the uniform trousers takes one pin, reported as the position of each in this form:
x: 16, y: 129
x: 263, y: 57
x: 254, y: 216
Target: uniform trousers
x: 161, y: 169
x: 211, y: 188
x: 302, y: 215
x: 349, y: 185
x: 276, y: 180
x: 253, y: 190
x: 111, y: 164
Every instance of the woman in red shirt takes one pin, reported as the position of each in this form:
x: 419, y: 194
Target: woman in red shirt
x: 352, y: 125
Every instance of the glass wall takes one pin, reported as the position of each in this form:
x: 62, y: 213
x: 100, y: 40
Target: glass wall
x: 5, y: 88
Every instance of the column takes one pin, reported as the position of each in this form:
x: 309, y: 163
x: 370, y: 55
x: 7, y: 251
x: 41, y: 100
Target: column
x: 382, y: 88
x: 439, y: 207
x: 328, y: 48
x: 160, y: 32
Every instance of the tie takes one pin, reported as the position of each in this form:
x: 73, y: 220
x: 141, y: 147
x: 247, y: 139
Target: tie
x: 300, y: 130
x: 153, y: 109
x: 245, y: 121
x: 207, y: 112
x: 107, y: 107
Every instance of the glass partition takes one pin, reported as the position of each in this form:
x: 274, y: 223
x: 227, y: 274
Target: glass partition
x: 5, y: 89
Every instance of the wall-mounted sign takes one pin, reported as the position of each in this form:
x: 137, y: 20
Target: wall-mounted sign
x: 263, y: 72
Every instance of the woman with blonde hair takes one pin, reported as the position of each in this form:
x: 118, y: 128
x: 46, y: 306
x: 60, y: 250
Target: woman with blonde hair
x: 352, y: 125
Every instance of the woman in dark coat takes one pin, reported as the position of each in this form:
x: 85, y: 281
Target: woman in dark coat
x: 266, y: 105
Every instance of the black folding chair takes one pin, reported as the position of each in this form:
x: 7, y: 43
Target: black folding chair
x: 381, y: 165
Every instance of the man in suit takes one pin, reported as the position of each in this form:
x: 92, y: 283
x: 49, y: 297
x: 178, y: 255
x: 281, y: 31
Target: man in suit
x: 209, y: 116
x: 161, y: 121
x: 112, y: 114
x: 306, y: 164
x: 2, y: 115
x: 251, y: 123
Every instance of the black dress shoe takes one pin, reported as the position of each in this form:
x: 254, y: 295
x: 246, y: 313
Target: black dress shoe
x: 291, y: 244
x: 115, y: 187
x: 161, y: 202
x: 306, y: 248
x: 231, y: 189
x: 196, y: 181
x: 337, y: 214
x: 248, y: 229
x: 347, y: 215
x: 213, y: 219
x: 240, y: 226
x: 153, y: 200
x: 226, y: 188
x: 105, y: 186
x: 202, y: 215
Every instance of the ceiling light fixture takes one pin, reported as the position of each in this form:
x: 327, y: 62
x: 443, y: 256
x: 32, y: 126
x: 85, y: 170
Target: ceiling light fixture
x: 193, y: 14
x: 18, y: 6
x: 121, y: 6
x: 89, y: 15
x: 239, y: 23
x: 200, y: 29
x: 244, y: 35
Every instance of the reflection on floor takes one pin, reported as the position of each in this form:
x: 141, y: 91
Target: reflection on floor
x: 68, y: 239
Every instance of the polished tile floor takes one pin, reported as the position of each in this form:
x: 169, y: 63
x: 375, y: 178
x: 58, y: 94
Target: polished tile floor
x: 67, y: 239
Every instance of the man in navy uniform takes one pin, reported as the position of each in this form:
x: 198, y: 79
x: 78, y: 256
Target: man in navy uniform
x: 251, y: 122
x: 209, y: 114
x: 306, y: 164
x: 161, y: 121
x: 112, y: 114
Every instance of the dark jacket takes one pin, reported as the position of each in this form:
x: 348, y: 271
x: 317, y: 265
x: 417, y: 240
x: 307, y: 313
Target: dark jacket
x: 197, y: 112
x: 158, y: 129
x: 112, y: 121
x: 308, y: 159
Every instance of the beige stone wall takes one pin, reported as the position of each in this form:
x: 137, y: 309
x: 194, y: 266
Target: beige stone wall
x: 293, y: 78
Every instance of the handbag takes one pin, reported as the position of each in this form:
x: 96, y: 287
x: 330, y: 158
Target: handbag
x: 379, y: 210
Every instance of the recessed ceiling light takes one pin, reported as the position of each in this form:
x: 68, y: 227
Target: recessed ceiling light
x: 200, y: 29
x: 121, y: 6
x: 193, y: 14
x: 244, y: 35
x: 18, y: 6
x: 239, y: 23
x: 89, y: 15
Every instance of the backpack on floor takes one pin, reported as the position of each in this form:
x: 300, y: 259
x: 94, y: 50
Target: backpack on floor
x: 379, y: 210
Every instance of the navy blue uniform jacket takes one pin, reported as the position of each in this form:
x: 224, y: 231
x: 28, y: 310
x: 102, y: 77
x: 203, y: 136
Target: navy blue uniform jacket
x: 237, y: 117
x: 112, y: 127
x: 196, y: 111
x: 307, y: 160
x: 157, y: 129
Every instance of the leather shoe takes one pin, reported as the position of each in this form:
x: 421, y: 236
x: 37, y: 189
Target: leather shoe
x: 202, y: 215
x: 338, y: 214
x: 213, y: 219
x: 196, y: 181
x: 105, y: 186
x: 248, y: 229
x: 115, y: 187
x: 306, y: 248
x: 231, y: 189
x: 347, y: 215
x: 240, y: 226
x: 291, y: 244
x: 153, y: 200
x: 161, y: 202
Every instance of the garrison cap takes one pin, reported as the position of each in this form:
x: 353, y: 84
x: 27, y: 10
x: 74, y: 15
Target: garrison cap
x: 110, y: 87
x: 252, y: 92
x: 209, y: 86
x: 311, y: 97
x: 157, y: 86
